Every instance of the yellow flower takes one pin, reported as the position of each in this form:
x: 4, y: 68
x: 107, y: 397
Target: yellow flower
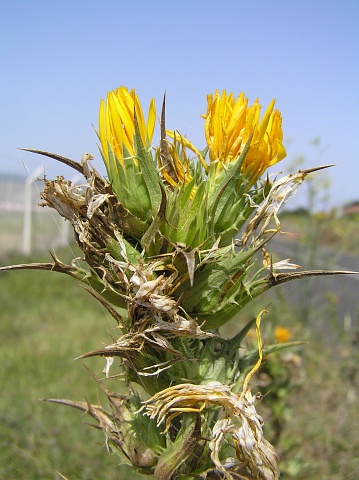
x: 175, y: 168
x: 117, y: 124
x: 282, y: 334
x: 179, y: 160
x: 229, y: 123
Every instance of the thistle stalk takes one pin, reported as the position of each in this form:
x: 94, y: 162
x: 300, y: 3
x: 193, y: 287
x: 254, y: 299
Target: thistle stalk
x: 170, y: 239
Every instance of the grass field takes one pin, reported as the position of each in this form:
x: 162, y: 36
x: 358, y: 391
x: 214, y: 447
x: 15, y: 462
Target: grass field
x: 48, y: 319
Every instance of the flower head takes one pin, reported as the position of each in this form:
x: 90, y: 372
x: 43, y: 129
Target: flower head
x: 230, y: 123
x: 117, y: 122
x: 282, y: 334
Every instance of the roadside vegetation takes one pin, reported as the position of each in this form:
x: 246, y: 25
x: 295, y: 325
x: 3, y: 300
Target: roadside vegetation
x: 324, y: 229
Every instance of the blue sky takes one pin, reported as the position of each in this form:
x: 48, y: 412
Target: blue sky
x: 58, y: 59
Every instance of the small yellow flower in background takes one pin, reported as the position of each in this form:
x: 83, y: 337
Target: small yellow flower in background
x: 229, y: 123
x: 282, y: 334
x: 117, y: 124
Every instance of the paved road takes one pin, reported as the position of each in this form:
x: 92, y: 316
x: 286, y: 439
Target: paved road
x: 335, y: 297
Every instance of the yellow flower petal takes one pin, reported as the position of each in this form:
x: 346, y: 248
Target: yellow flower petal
x: 117, y: 122
x: 187, y: 144
x: 230, y: 122
x: 151, y: 119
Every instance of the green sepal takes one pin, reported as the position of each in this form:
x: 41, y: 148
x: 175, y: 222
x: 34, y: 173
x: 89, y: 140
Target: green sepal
x: 220, y: 360
x: 184, y: 193
x: 185, y: 216
x: 129, y: 181
x: 228, y: 186
x: 134, y: 193
x: 234, y: 217
x: 111, y: 167
x: 149, y: 172
x: 185, y: 370
x: 133, y: 428
x: 148, y: 240
x: 179, y: 451
x: 143, y: 427
x: 118, y: 178
x: 211, y: 281
x: 116, y: 250
x: 128, y: 223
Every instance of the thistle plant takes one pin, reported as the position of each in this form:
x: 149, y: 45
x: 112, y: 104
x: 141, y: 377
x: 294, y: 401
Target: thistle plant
x: 175, y: 242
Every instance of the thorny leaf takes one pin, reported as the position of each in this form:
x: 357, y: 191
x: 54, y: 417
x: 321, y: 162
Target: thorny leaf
x: 117, y: 427
x: 67, y: 161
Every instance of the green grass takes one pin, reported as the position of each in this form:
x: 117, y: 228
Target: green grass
x: 47, y: 320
